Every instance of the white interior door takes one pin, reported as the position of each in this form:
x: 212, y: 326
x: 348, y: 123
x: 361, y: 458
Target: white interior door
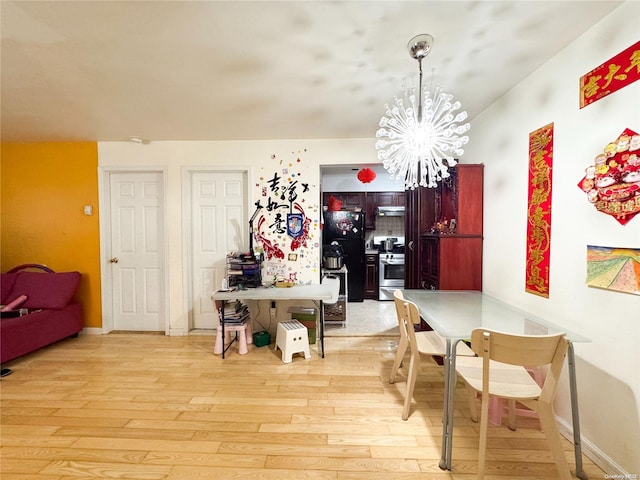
x: 218, y: 225
x: 136, y: 203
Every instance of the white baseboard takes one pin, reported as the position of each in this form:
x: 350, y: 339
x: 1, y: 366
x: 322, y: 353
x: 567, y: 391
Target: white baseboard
x: 591, y: 451
x: 91, y: 331
x: 177, y: 332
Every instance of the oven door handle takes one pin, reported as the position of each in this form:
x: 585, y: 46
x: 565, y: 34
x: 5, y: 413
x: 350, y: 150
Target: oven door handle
x: 392, y: 262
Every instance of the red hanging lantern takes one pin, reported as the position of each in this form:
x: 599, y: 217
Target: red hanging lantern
x: 366, y: 175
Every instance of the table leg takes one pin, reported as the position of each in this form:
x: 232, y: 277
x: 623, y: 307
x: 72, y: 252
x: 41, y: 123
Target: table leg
x: 322, y: 328
x: 221, y: 326
x: 321, y: 317
x: 447, y: 426
x: 577, y: 441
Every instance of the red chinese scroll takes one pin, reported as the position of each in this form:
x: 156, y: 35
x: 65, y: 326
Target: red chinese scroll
x: 611, y: 76
x: 539, y: 211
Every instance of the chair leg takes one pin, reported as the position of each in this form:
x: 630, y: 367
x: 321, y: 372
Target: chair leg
x: 548, y: 421
x: 471, y: 397
x: 414, y: 364
x: 484, y: 424
x: 402, y: 349
x: 512, y: 415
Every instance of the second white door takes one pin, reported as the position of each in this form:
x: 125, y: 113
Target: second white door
x: 219, y: 225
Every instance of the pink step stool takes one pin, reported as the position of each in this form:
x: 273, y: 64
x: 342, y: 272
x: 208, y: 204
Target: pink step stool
x: 498, y: 406
x: 243, y: 333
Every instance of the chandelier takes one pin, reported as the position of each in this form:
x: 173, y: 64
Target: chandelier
x: 418, y: 139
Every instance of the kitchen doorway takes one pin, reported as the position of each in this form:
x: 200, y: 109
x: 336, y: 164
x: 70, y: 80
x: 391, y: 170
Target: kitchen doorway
x: 369, y: 318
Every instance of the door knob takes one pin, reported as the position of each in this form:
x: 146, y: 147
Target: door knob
x: 113, y: 260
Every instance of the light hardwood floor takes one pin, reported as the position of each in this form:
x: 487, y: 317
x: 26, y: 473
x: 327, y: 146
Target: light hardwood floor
x: 145, y: 406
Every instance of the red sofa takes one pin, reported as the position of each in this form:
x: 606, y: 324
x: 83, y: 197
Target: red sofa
x: 51, y: 312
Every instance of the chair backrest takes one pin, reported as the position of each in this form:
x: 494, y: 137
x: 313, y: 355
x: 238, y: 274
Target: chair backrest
x: 523, y: 350
x: 408, y: 316
x: 334, y: 284
x: 530, y: 350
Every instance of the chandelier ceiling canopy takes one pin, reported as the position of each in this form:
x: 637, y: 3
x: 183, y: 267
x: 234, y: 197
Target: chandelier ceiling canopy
x: 419, y: 138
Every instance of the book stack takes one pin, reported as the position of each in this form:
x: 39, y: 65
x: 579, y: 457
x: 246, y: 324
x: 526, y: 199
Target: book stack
x: 236, y: 313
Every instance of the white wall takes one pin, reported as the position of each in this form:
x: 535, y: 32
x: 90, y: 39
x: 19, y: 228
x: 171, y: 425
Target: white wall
x: 608, y: 368
x: 346, y: 180
x: 259, y: 158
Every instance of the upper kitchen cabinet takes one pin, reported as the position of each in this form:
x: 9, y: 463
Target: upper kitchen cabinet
x: 350, y: 200
x: 443, y: 232
x: 367, y: 201
x: 389, y: 199
x: 370, y: 212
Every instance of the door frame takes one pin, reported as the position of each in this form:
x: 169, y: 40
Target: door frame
x: 106, y: 277
x: 187, y: 253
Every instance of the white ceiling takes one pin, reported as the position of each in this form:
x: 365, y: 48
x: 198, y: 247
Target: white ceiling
x: 235, y: 70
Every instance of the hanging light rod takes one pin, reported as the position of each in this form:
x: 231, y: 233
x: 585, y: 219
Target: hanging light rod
x: 417, y: 141
x: 419, y: 47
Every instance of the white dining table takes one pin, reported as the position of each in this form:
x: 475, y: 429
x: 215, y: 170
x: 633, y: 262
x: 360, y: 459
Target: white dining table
x: 317, y: 293
x: 455, y: 314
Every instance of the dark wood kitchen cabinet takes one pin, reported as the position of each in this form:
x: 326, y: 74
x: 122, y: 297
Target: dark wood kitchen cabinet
x: 367, y: 201
x: 438, y: 256
x: 451, y: 262
x: 350, y: 200
x: 370, y: 212
x: 389, y: 199
x: 371, y: 276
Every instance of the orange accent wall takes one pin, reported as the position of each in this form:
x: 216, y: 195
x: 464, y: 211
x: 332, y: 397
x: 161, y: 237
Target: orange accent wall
x: 44, y: 188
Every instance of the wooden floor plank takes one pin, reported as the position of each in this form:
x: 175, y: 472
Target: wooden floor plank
x: 151, y: 407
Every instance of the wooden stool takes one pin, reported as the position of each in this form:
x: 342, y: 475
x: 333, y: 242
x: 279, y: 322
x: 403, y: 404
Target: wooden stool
x: 292, y: 337
x: 243, y: 335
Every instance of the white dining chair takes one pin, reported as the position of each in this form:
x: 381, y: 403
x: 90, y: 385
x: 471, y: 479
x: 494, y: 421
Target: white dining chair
x: 428, y: 343
x: 499, y: 370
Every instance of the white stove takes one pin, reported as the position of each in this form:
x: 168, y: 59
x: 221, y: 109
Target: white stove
x: 390, y: 267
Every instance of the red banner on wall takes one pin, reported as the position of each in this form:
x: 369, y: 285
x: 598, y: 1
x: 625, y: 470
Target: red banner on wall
x: 539, y: 211
x: 611, y: 76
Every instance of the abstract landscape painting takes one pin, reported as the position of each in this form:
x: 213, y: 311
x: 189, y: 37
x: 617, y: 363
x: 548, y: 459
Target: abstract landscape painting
x: 614, y: 268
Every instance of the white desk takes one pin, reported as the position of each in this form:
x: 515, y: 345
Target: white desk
x: 316, y: 293
x: 454, y: 315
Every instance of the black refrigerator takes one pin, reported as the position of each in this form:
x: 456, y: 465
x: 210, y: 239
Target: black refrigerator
x: 346, y: 227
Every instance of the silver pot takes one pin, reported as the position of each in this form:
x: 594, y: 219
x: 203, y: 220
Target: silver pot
x: 389, y: 243
x: 333, y: 263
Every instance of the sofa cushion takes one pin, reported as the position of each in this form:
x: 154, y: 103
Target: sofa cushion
x: 7, y: 280
x: 46, y: 290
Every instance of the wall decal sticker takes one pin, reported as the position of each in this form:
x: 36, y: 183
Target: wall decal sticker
x: 286, y: 231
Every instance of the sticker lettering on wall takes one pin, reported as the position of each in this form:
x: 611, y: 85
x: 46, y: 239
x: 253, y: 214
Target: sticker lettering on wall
x: 286, y: 230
